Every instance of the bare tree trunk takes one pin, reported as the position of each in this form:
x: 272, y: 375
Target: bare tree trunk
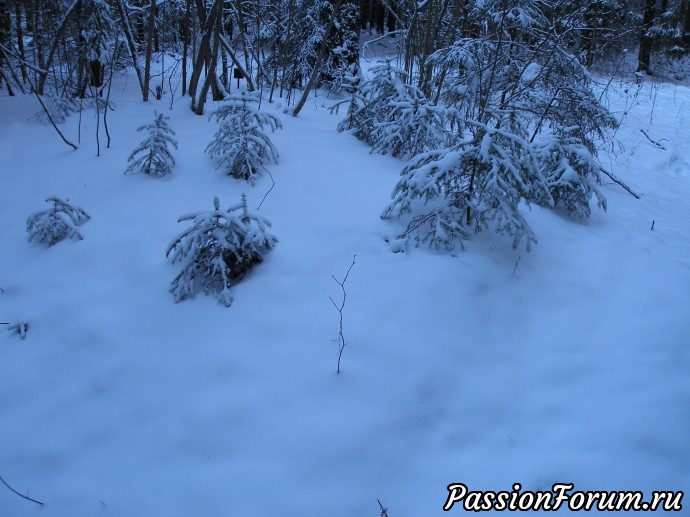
x: 233, y: 57
x: 205, y: 53
x: 686, y: 27
x: 53, y: 48
x: 5, y: 27
x: 131, y: 44
x: 201, y: 53
x: 149, y: 49
x: 211, y: 74
x: 185, y: 45
x: 319, y: 59
x: 646, y: 39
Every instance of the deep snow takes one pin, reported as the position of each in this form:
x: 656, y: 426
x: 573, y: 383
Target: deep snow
x: 567, y: 364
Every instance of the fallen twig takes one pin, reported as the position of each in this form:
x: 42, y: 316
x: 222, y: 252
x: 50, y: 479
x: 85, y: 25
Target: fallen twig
x: 20, y: 495
x: 655, y: 142
x: 620, y: 183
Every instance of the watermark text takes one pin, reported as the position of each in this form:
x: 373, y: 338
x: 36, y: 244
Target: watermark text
x: 560, y: 495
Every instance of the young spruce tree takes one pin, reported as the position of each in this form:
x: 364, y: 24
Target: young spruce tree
x: 393, y: 116
x: 528, y: 127
x: 240, y: 145
x: 59, y: 222
x: 218, y: 250
x: 153, y: 156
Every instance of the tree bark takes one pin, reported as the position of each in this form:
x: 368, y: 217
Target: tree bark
x: 646, y: 39
x: 5, y: 27
x: 686, y: 27
x: 211, y: 73
x: 319, y: 59
x: 149, y: 49
x: 20, y: 39
x: 131, y: 44
x: 54, y: 46
x: 185, y: 45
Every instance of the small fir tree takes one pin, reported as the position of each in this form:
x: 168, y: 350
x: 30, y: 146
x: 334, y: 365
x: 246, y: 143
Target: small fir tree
x: 392, y: 116
x: 218, y: 250
x: 60, y: 221
x: 480, y: 182
x: 572, y: 172
x: 413, y: 125
x: 528, y: 124
x: 153, y: 156
x: 240, y: 145
x: 371, y: 105
x: 355, y: 102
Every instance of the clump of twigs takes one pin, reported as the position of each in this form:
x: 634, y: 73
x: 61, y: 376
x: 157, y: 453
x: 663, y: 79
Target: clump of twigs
x: 20, y: 328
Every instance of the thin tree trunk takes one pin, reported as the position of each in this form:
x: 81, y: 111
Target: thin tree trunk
x: 319, y: 59
x: 204, y: 49
x: 131, y: 44
x: 5, y: 28
x: 646, y: 39
x: 185, y: 45
x: 20, y: 40
x: 211, y: 74
x: 235, y: 61
x: 54, y: 46
x: 149, y: 49
x: 686, y: 27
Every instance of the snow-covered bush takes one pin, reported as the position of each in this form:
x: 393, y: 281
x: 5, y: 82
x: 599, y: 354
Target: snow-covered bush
x: 392, y: 116
x: 218, y: 250
x: 413, y: 125
x: 528, y: 128
x: 481, y: 179
x: 60, y: 221
x: 370, y: 105
x: 572, y: 172
x: 240, y: 145
x: 355, y: 103
x: 153, y: 156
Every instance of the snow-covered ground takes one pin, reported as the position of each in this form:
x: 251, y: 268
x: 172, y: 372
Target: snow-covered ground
x: 568, y: 364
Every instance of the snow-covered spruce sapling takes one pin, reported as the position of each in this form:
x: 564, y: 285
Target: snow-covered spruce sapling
x: 60, y: 221
x: 153, y: 156
x: 218, y: 250
x: 528, y: 126
x: 392, y: 116
x: 240, y: 145
x: 572, y: 172
x: 369, y: 103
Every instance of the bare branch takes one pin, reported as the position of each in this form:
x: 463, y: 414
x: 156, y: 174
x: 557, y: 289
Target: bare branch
x: 620, y: 183
x: 655, y: 142
x: 20, y: 495
x: 339, y: 308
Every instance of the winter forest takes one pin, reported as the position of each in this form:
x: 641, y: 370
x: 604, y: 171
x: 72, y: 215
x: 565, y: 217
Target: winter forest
x: 391, y: 258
